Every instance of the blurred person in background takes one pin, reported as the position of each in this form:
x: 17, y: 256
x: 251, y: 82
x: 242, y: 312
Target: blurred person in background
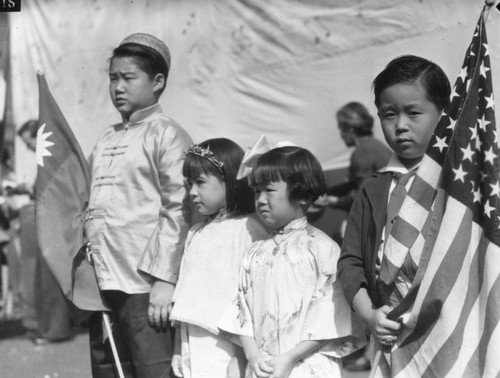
x: 370, y: 154
x: 9, y: 243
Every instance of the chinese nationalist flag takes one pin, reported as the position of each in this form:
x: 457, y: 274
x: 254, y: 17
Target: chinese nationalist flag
x: 61, y: 196
x: 449, y: 228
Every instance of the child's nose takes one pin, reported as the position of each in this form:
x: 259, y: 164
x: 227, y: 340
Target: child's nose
x: 259, y: 198
x: 119, y: 86
x: 402, y: 123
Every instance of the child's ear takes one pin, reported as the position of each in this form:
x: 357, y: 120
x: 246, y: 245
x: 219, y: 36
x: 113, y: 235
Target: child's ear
x: 158, y: 82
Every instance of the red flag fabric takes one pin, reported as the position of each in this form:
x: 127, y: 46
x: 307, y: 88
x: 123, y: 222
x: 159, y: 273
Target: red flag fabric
x: 61, y: 196
x: 449, y: 227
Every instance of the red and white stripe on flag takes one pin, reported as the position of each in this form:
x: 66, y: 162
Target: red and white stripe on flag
x: 452, y: 310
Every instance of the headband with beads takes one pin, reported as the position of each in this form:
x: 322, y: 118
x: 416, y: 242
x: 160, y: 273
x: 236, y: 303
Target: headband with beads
x: 197, y: 150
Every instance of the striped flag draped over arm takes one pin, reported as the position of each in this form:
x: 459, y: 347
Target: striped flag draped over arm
x: 449, y: 226
x: 61, y: 195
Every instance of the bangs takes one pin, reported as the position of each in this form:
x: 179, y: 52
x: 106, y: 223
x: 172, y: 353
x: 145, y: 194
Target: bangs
x: 269, y: 169
x: 294, y: 165
x: 194, y: 166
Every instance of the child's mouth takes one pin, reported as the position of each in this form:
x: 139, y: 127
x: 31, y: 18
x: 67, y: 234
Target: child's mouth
x: 403, y: 141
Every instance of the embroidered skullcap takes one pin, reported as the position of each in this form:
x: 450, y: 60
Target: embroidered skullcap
x: 152, y: 42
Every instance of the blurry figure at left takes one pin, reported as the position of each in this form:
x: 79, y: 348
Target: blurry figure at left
x: 9, y: 253
x: 53, y: 320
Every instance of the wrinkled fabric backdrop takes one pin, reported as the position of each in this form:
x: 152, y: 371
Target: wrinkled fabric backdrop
x: 239, y: 68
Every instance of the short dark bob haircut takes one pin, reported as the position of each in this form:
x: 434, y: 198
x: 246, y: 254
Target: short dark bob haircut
x: 409, y: 69
x: 148, y: 60
x: 298, y: 167
x: 239, y: 196
x: 354, y: 116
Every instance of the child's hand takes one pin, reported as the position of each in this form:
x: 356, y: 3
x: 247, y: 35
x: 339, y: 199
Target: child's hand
x: 259, y: 365
x: 384, y: 330
x: 282, y: 365
x: 177, y: 365
x: 160, y: 299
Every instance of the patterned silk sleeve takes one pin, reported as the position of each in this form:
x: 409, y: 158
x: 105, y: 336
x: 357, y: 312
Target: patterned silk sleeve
x: 319, y: 322
x: 329, y: 317
x: 237, y: 318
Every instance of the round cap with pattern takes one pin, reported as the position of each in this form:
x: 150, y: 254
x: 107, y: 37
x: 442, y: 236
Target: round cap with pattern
x: 149, y: 41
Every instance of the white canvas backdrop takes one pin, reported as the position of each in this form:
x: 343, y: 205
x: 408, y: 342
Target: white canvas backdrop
x: 239, y: 68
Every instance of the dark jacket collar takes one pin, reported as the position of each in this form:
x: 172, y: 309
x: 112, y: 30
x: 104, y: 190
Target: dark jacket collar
x: 377, y: 193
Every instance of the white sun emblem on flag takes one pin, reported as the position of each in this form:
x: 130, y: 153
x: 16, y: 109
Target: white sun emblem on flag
x: 42, y: 144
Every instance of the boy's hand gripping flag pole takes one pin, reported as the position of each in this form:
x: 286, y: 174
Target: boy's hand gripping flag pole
x: 62, y: 192
x: 449, y: 226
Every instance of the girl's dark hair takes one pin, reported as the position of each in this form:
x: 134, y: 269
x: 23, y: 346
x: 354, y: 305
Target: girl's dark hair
x: 298, y: 167
x: 355, y: 116
x: 149, y: 60
x: 239, y: 196
x: 411, y: 69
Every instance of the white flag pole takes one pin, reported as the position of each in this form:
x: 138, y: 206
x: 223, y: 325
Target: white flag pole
x: 107, y: 324
x: 105, y: 318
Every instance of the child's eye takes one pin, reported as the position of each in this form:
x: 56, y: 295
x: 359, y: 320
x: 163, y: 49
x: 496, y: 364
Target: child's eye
x: 389, y: 115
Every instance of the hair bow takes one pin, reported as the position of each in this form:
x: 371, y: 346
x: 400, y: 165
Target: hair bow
x: 260, y: 147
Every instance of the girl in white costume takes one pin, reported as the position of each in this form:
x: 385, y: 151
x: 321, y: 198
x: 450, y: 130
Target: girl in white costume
x: 211, y: 262
x: 290, y: 314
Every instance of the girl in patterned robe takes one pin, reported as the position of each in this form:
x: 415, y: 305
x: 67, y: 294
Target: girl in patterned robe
x: 290, y: 313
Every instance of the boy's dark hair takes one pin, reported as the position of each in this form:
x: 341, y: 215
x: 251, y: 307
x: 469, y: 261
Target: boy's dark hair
x: 298, y: 167
x: 31, y: 126
x: 355, y: 116
x: 411, y: 69
x: 239, y: 196
x: 149, y: 60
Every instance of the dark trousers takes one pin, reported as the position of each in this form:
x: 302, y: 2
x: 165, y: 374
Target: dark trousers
x: 143, y: 352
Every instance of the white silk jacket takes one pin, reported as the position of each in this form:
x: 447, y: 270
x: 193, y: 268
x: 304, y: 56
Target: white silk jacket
x: 139, y: 210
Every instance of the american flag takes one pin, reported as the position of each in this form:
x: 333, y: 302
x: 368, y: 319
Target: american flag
x: 451, y: 313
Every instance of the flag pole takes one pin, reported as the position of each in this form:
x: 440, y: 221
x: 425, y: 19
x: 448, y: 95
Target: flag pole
x: 376, y: 361
x: 487, y: 7
x: 105, y: 317
x: 109, y: 331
